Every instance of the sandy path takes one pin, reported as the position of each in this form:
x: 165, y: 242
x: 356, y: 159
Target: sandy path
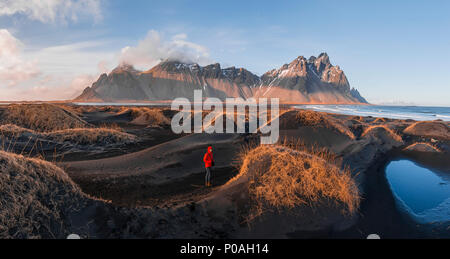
x: 165, y: 162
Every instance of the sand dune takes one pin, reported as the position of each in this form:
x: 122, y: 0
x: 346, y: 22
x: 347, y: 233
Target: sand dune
x: 430, y: 129
x: 36, y: 198
x: 41, y: 117
x: 162, y: 162
x: 422, y: 147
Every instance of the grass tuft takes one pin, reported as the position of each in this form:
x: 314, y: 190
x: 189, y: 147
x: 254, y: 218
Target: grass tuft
x: 434, y: 129
x: 79, y: 136
x: 35, y: 198
x: 281, y: 177
x: 147, y: 116
x: 41, y: 117
x: 318, y: 119
x: 381, y: 129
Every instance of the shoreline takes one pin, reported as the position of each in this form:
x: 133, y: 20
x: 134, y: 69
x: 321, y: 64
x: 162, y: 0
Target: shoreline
x: 418, y: 113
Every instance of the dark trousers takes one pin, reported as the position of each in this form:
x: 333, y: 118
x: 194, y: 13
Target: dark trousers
x: 208, y: 175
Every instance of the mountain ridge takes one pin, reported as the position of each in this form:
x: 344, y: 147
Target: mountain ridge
x: 313, y: 80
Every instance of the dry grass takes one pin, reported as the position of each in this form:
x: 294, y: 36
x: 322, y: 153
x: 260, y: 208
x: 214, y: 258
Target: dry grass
x: 422, y: 147
x: 81, y: 136
x: 318, y: 119
x: 113, y: 126
x: 10, y: 134
x: 359, y: 118
x: 35, y: 198
x: 70, y: 108
x: 146, y: 116
x: 311, y: 118
x: 41, y: 117
x: 80, y: 109
x: 12, y: 130
x: 380, y: 120
x: 381, y: 131
x: 90, y: 136
x: 429, y: 129
x: 280, y: 177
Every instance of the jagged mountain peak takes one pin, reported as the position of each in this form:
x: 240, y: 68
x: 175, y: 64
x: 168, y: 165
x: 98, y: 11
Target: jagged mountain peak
x: 323, y: 55
x: 237, y: 75
x: 176, y: 66
x: 297, y: 68
x: 313, y: 80
x: 319, y: 67
x: 321, y: 63
x: 355, y: 93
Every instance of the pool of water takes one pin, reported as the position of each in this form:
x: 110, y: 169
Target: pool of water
x: 423, y: 193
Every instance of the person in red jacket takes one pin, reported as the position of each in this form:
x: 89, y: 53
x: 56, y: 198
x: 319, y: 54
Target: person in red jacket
x: 209, y: 162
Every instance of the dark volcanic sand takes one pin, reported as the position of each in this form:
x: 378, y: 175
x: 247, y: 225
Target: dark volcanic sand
x: 138, y: 190
x: 378, y: 213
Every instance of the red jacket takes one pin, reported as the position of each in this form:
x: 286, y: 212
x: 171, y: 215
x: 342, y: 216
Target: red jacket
x: 208, y: 159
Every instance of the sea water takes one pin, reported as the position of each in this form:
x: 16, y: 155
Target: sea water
x: 421, y: 113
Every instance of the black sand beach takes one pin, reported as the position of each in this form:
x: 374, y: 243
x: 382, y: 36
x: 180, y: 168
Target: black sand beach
x: 149, y: 182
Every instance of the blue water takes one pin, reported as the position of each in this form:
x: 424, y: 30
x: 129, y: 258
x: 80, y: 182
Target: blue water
x: 425, y: 194
x: 395, y: 112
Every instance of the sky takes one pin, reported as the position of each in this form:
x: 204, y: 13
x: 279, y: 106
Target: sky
x: 393, y: 52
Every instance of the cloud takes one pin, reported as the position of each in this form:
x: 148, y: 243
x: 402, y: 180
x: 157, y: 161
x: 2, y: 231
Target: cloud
x: 71, y: 68
x: 78, y: 84
x: 13, y: 69
x: 153, y: 48
x: 62, y: 86
x: 50, y: 11
x: 50, y: 87
x: 103, y: 66
x: 74, y: 58
x: 63, y: 71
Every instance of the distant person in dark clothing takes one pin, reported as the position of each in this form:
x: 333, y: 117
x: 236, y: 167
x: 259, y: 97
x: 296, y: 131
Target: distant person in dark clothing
x: 209, y: 162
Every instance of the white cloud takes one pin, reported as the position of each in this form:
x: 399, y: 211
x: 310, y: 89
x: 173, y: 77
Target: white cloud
x: 103, y: 66
x: 153, y: 48
x: 181, y: 36
x: 13, y: 68
x: 50, y: 11
x: 62, y: 72
x: 50, y: 88
x: 79, y: 58
x: 65, y: 70
x: 79, y: 83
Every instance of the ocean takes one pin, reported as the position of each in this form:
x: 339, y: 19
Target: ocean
x: 420, y: 113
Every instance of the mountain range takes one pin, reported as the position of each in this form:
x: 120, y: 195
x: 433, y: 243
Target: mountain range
x: 313, y: 80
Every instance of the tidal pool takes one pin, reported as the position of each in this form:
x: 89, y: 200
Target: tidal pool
x: 423, y: 193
